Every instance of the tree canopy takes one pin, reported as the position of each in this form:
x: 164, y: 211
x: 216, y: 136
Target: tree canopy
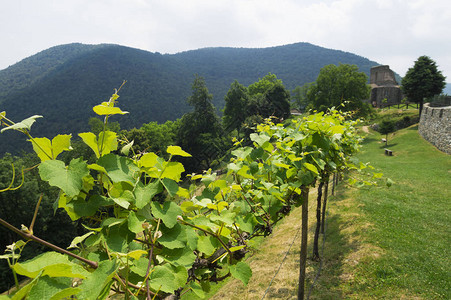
x: 299, y: 96
x: 269, y: 98
x: 423, y: 80
x: 200, y: 131
x: 236, y: 100
x: 336, y: 85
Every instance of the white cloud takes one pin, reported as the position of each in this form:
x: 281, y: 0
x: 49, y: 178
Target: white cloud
x: 391, y: 32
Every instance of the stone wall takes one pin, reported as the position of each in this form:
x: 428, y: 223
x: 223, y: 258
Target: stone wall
x: 435, y: 126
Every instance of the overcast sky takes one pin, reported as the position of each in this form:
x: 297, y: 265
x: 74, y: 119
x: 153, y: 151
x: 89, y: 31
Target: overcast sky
x: 393, y: 32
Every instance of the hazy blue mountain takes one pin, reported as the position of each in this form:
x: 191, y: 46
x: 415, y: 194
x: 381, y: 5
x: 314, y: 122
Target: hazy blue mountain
x: 64, y: 82
x: 447, y: 89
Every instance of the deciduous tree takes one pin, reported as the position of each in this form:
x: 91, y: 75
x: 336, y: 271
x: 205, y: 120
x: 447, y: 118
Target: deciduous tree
x: 270, y: 98
x: 235, y: 112
x: 336, y: 85
x: 423, y: 80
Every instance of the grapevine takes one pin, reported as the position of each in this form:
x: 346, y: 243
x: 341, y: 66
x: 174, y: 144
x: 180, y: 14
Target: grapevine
x: 149, y: 236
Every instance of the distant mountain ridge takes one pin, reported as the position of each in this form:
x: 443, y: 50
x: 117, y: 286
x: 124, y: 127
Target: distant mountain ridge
x: 64, y: 82
x: 447, y: 89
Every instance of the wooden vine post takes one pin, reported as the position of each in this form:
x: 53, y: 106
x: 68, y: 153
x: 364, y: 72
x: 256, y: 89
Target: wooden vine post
x: 304, y: 232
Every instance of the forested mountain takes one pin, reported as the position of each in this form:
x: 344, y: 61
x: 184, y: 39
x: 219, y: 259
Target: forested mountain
x: 64, y: 82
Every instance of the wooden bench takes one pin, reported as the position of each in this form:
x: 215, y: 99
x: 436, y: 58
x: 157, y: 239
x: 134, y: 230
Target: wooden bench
x: 388, y: 152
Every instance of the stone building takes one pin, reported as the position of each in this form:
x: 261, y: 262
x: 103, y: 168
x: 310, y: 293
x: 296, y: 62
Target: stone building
x: 384, y: 86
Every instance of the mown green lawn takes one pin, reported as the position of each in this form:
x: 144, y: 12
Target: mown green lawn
x: 410, y: 223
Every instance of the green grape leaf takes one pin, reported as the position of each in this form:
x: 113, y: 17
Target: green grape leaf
x: 180, y: 256
x: 135, y: 222
x: 170, y: 185
x: 291, y: 172
x: 228, y: 217
x: 162, y: 278
x: 23, y: 292
x: 260, y: 139
x: 297, y: 136
x: 136, y: 254
x: 176, y: 150
x: 168, y: 213
x: 188, y: 206
x: 207, y: 244
x: 148, y: 160
x: 191, y: 238
x: 311, y: 167
x: 257, y: 154
x: 236, y: 248
x: 49, y: 288
x: 124, y: 199
x: 181, y: 275
x: 241, y: 271
x: 378, y: 175
x: 126, y: 149
x: 233, y: 167
x: 244, y: 172
x: 247, y: 223
x: 65, y: 294
x: 46, y: 149
x: 184, y: 193
x: 139, y: 266
x: 280, y: 164
x: 321, y: 163
x: 69, y: 179
x: 121, y: 193
x: 321, y: 141
x: 78, y: 240
x: 77, y: 208
x: 173, y: 170
x: 338, y: 129
x: 254, y: 167
x: 101, y: 278
x: 52, y: 264
x: 145, y: 193
x: 119, y: 168
x: 174, y: 237
x: 268, y: 147
x: 104, y: 144
x: 242, y: 152
x: 119, y: 238
x: 197, y: 289
x: 106, y: 109
x: 24, y: 124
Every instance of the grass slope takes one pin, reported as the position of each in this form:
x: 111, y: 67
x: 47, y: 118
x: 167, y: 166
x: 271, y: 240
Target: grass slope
x: 381, y: 243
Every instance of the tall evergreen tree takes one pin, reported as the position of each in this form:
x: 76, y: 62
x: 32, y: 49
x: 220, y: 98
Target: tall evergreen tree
x: 200, y: 132
x: 423, y: 80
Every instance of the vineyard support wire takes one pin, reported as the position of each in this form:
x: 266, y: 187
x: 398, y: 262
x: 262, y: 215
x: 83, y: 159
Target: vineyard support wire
x: 286, y: 254
x: 322, y: 256
x: 280, y: 265
x: 320, y: 262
